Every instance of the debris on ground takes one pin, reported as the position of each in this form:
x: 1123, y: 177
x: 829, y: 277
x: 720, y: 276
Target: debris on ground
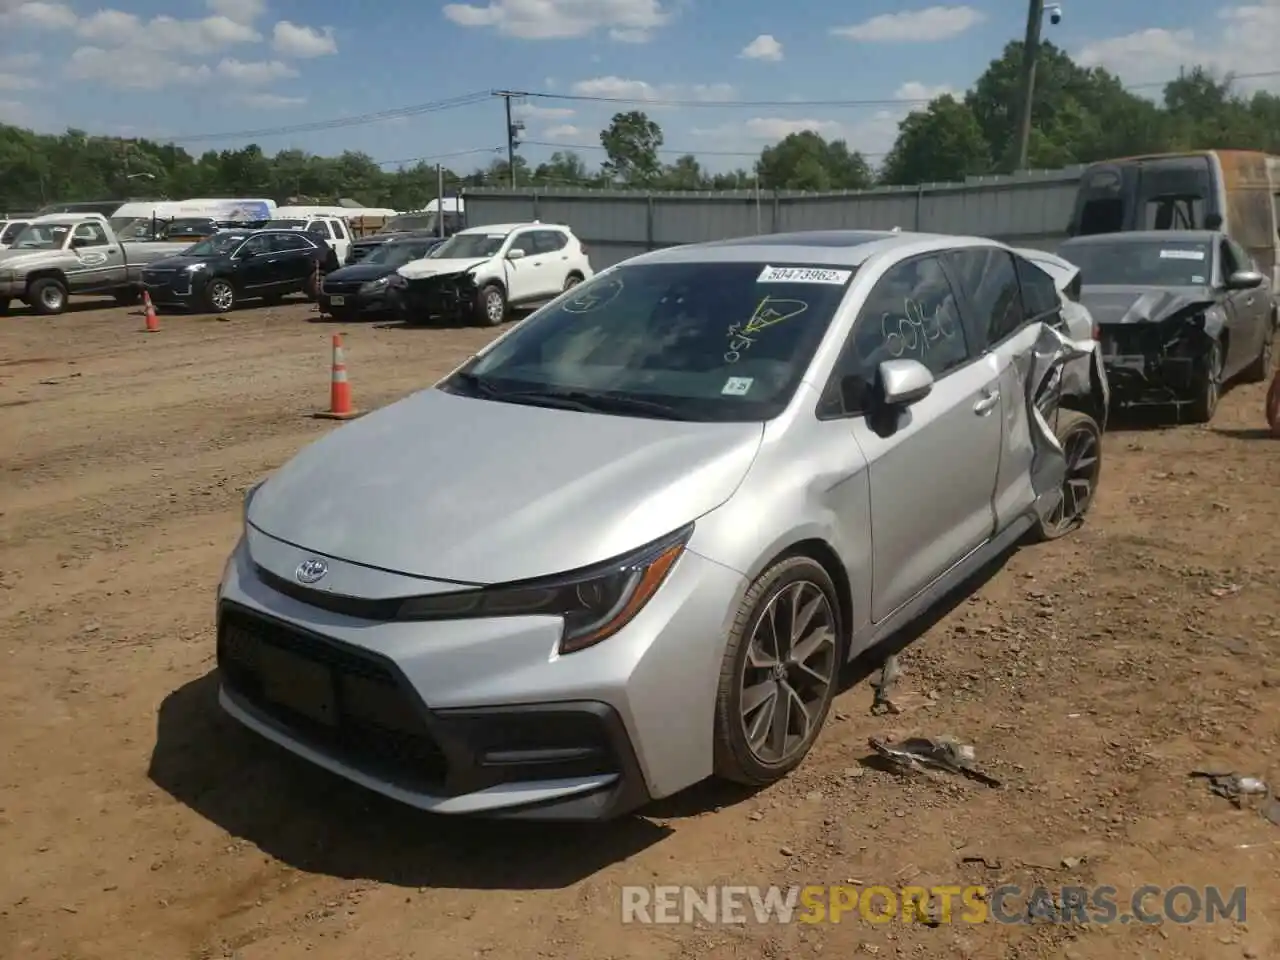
x: 916, y: 754
x: 1234, y: 787
x: 883, y: 686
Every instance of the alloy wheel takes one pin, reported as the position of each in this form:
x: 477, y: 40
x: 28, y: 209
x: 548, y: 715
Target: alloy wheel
x: 221, y: 295
x: 1080, y: 449
x: 493, y: 306
x: 51, y: 297
x: 788, y: 673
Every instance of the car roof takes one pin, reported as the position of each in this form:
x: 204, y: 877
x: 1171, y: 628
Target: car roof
x: 1146, y: 236
x: 837, y: 248
x: 511, y: 227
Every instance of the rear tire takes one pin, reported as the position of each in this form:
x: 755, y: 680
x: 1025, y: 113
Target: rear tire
x: 1260, y: 369
x: 748, y: 748
x: 1081, y: 441
x: 1208, y: 389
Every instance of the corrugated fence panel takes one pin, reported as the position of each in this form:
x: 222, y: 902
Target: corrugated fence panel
x: 1025, y: 210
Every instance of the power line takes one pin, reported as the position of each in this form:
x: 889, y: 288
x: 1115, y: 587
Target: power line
x: 438, y: 156
x: 413, y: 110
x: 830, y: 104
x: 666, y: 150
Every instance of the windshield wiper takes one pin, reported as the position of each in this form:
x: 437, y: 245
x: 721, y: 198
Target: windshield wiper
x: 597, y: 402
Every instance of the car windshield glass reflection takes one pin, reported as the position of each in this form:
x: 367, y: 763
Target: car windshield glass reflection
x: 709, y: 341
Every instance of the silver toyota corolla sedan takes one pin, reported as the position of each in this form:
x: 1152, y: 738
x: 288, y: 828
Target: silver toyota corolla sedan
x: 629, y: 544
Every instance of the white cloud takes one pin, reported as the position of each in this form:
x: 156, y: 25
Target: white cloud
x: 618, y: 88
x: 532, y: 112
x: 627, y: 21
x: 255, y: 73
x: 241, y: 11
x: 115, y: 28
x: 565, y: 131
x: 270, y: 101
x: 15, y: 113
x: 293, y: 40
x: 921, y: 26
x: 873, y: 135
x: 15, y: 72
x: 41, y: 14
x: 763, y: 47
x: 1244, y: 43
x: 122, y: 71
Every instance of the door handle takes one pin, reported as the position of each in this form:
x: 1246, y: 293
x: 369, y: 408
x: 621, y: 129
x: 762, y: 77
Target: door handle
x: 1249, y: 302
x: 987, y: 403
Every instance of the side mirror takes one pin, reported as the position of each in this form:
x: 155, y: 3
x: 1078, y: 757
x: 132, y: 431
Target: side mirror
x: 1244, y: 280
x: 515, y: 253
x: 904, y: 382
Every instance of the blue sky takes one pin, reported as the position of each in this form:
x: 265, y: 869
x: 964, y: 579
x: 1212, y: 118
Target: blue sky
x: 209, y: 67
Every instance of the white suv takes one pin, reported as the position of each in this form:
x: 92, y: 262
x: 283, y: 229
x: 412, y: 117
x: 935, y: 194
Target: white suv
x: 483, y: 272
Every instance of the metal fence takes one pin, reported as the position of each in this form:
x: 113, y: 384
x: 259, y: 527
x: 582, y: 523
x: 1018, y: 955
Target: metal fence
x: 1029, y: 210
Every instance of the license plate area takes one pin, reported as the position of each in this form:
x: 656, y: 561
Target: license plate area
x: 338, y: 301
x: 297, y: 684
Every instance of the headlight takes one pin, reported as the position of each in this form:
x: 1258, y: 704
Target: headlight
x: 248, y: 499
x: 196, y: 267
x: 595, y: 603
x: 375, y: 285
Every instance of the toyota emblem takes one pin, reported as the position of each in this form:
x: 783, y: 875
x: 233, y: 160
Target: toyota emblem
x: 309, y: 571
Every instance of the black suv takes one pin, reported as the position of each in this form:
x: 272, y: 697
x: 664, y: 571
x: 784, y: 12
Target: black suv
x: 234, y: 265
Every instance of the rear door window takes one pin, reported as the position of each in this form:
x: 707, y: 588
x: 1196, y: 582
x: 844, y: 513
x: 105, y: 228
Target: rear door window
x: 988, y: 280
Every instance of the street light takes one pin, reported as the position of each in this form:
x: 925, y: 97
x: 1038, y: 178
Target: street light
x: 1030, y: 53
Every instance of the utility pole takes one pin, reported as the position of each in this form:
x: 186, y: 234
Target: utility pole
x: 1030, y: 54
x: 440, y: 200
x: 514, y: 129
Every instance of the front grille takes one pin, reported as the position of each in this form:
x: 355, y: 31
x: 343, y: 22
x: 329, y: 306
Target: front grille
x: 343, y: 288
x: 346, y: 703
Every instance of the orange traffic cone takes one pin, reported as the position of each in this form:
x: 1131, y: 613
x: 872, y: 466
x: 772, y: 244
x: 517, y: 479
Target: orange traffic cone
x: 1273, y: 406
x: 149, y: 311
x: 340, y: 406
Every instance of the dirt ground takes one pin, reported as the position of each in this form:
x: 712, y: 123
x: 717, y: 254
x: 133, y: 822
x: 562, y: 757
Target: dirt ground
x: 1091, y: 675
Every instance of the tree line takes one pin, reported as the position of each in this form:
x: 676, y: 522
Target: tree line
x: 1080, y: 115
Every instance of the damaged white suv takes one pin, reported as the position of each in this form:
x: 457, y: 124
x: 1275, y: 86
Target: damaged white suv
x: 482, y: 273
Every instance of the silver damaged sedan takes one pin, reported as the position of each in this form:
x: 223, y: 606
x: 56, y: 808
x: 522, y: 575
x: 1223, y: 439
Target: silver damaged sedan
x: 628, y: 545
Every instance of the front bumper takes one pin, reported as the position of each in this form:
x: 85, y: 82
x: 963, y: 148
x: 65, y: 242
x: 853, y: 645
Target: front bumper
x: 13, y: 289
x: 484, y: 716
x: 354, y: 300
x: 450, y: 297
x: 173, y: 287
x: 1142, y: 367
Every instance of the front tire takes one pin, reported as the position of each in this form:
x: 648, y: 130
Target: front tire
x: 1208, y: 389
x: 220, y: 295
x: 491, y: 306
x: 779, y: 673
x: 1081, y: 441
x: 48, y: 297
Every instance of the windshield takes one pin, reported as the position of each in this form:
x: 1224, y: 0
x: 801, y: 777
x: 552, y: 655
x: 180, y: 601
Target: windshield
x: 44, y: 236
x: 197, y: 226
x: 420, y: 221
x: 216, y: 246
x: 709, y: 341
x: 286, y: 224
x: 398, y: 254
x: 1141, y: 263
x: 468, y: 246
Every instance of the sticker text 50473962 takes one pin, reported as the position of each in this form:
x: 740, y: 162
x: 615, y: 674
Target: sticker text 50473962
x: 804, y: 275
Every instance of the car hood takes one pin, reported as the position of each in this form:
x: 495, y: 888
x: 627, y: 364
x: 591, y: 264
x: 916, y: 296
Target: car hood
x: 11, y: 259
x: 430, y: 267
x: 477, y: 491
x: 1112, y: 305
x: 177, y: 263
x: 362, y: 272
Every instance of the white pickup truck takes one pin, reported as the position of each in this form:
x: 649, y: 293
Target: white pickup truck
x: 68, y: 254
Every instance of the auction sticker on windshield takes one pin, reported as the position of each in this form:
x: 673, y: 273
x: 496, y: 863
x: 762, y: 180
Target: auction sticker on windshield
x: 804, y: 275
x: 1181, y: 254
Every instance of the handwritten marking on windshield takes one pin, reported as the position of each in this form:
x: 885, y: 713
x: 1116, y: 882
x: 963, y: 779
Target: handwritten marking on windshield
x: 768, y: 312
x: 599, y: 295
x: 914, y: 332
